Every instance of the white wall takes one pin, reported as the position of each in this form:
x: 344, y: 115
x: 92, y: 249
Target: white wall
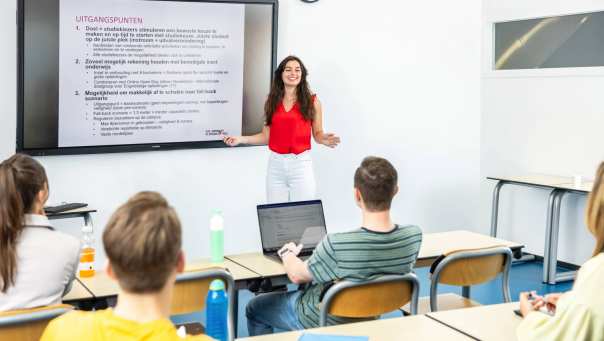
x: 8, y: 74
x: 539, y: 121
x: 401, y: 80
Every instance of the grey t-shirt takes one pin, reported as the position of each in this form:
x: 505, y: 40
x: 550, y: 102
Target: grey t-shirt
x: 47, y: 261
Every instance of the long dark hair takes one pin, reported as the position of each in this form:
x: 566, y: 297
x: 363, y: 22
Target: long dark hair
x: 303, y: 93
x: 21, y: 179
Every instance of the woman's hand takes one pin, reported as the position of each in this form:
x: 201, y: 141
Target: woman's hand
x: 233, y: 141
x: 530, y: 302
x: 552, y: 298
x: 551, y: 301
x: 330, y: 140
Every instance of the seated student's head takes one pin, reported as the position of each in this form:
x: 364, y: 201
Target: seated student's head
x: 595, y: 210
x: 375, y: 184
x: 23, y: 189
x: 142, y: 241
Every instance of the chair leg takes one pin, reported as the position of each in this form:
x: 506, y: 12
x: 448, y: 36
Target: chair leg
x: 433, y: 296
x: 465, y: 291
x: 505, y: 279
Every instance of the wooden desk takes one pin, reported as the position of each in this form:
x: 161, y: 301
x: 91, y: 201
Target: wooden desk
x: 433, y: 246
x: 418, y: 327
x: 256, y: 261
x: 436, y: 244
x: 543, y: 180
x: 585, y: 186
x: 239, y: 273
x: 102, y: 286
x: 83, y: 212
x: 490, y: 322
x: 559, y: 186
x: 77, y: 293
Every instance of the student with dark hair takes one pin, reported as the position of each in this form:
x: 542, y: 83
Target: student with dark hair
x: 292, y: 114
x: 142, y: 241
x: 37, y: 263
x: 379, y: 247
x: 579, y: 313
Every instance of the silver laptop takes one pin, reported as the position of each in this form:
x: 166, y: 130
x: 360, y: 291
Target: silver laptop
x: 297, y: 222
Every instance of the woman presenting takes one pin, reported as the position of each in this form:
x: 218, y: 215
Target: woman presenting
x: 291, y: 112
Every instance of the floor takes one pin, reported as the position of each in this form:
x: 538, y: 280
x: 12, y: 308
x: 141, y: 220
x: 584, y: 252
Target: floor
x: 524, y: 277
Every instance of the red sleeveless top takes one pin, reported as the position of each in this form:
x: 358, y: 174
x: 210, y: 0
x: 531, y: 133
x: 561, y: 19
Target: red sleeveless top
x: 290, y: 132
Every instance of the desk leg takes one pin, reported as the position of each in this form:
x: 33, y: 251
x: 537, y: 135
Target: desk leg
x: 548, y: 234
x: 236, y: 313
x: 555, y: 229
x: 552, y: 275
x: 495, y: 208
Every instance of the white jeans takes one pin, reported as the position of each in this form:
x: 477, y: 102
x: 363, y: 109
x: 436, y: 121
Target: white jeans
x: 290, y: 177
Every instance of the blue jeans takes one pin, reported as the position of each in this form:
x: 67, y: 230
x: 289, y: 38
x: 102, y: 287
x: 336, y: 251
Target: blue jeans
x: 273, y: 310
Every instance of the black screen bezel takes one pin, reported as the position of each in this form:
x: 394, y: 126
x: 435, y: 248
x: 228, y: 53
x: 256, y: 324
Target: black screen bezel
x: 289, y: 204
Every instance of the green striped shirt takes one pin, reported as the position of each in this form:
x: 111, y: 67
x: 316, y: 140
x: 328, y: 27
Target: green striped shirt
x: 357, y: 255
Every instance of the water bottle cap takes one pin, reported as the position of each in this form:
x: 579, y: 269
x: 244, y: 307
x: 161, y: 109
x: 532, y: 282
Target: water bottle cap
x: 216, y: 211
x: 87, y: 229
x: 217, y: 285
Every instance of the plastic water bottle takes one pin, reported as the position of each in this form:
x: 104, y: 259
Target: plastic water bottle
x: 217, y: 304
x: 87, y: 252
x: 217, y: 237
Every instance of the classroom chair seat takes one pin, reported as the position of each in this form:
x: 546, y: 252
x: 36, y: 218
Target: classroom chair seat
x: 449, y: 301
x: 29, y: 324
x: 191, y: 290
x: 369, y: 298
x: 470, y: 267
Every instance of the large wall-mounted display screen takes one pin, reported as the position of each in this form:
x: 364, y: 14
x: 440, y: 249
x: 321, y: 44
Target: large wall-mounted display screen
x: 132, y: 75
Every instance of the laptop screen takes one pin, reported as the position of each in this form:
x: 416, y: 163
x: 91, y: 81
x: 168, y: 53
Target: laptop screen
x: 298, y: 222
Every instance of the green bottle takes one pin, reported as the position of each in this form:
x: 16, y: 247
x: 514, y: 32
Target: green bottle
x: 217, y: 237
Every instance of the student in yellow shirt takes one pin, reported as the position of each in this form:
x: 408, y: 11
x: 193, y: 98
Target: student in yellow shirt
x: 142, y: 241
x: 579, y: 313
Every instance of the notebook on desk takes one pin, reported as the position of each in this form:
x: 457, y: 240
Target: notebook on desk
x: 327, y: 337
x: 298, y: 222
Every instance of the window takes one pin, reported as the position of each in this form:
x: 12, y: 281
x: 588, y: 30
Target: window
x: 552, y: 42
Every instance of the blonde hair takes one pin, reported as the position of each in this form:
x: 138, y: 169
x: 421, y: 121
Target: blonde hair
x: 595, y: 210
x: 143, y: 241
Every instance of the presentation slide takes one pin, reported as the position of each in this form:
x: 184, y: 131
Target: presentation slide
x: 129, y: 73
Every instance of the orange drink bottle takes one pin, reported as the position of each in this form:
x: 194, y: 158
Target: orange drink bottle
x: 87, y: 252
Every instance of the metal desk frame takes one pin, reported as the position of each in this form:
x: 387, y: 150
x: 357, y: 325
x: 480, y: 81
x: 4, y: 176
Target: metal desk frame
x: 552, y: 225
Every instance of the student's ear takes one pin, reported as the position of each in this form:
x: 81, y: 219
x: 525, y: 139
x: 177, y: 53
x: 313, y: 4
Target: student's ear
x: 41, y: 199
x: 180, y: 263
x: 358, y: 198
x: 109, y: 271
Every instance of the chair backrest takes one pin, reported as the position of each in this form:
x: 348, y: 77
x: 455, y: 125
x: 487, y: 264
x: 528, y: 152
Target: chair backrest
x: 191, y: 289
x: 470, y: 267
x: 28, y: 324
x: 370, y: 298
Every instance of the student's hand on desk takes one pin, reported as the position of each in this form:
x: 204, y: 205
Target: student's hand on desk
x: 530, y: 301
x: 551, y: 300
x: 290, y: 247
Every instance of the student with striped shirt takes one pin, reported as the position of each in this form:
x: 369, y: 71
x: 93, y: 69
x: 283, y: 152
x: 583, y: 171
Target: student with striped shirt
x: 377, y: 248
